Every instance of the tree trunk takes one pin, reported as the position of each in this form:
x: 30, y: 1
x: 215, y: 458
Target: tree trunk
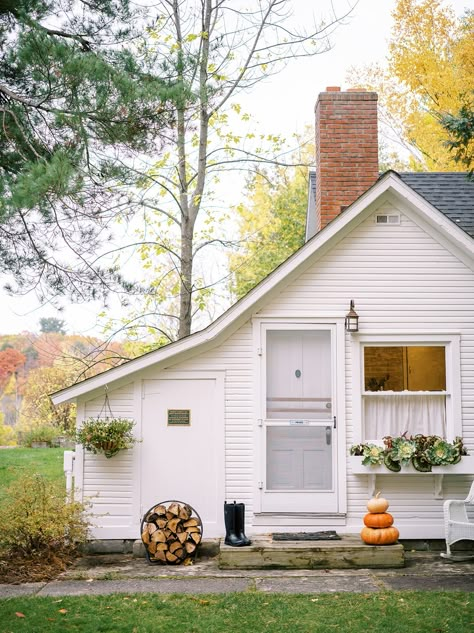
x: 186, y: 281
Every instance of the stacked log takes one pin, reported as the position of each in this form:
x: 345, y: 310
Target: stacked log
x: 171, y: 533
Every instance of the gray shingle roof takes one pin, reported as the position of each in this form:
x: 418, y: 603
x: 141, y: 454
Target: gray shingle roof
x: 450, y: 192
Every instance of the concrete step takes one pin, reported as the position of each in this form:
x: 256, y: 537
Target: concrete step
x: 348, y: 553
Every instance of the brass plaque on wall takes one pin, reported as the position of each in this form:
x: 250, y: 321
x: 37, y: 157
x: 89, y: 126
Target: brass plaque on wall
x: 179, y: 417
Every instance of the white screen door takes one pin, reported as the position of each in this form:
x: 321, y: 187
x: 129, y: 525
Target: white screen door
x: 299, y: 443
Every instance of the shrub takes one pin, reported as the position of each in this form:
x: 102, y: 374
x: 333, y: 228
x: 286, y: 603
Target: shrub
x: 7, y: 435
x: 36, y: 518
x: 43, y: 433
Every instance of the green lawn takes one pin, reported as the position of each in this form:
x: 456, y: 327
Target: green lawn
x: 15, y: 461
x: 397, y: 612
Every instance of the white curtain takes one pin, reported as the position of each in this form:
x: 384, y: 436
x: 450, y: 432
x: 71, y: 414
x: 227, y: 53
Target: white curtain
x: 395, y: 413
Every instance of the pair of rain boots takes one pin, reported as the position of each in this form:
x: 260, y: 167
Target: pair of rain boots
x: 234, y: 518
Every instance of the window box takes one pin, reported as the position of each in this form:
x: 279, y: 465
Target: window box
x: 464, y: 467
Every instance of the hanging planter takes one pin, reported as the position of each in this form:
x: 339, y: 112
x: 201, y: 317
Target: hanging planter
x: 106, y: 435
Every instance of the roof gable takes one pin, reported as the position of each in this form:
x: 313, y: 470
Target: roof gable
x: 388, y: 185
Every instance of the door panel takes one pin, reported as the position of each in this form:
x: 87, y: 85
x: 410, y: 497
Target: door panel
x: 298, y: 458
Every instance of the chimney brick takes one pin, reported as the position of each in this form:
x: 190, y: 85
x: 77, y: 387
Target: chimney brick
x: 346, y: 150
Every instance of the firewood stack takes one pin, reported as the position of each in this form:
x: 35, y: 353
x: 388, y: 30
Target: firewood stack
x: 171, y: 534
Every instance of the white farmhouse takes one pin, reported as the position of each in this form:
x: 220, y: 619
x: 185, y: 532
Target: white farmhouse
x: 264, y: 404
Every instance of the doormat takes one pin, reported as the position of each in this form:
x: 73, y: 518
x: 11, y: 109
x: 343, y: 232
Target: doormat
x: 329, y: 535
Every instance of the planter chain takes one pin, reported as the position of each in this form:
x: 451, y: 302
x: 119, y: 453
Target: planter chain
x: 106, y: 409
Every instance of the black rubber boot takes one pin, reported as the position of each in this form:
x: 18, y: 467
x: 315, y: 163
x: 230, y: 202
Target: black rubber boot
x: 240, y: 523
x: 231, y: 537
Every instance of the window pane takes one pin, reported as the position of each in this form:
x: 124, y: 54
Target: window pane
x: 411, y: 368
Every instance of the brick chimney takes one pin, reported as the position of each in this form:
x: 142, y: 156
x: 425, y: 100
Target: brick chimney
x: 346, y: 150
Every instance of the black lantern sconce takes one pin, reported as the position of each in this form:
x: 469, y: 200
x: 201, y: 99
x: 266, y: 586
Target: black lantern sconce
x: 352, y: 319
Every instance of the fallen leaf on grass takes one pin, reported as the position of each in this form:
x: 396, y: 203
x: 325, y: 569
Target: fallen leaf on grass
x: 20, y: 615
x: 62, y: 610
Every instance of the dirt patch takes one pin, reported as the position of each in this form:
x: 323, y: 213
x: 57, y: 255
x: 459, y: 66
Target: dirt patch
x: 40, y: 567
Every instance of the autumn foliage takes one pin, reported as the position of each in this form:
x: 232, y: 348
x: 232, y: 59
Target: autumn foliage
x: 34, y: 366
x: 428, y: 75
x: 10, y: 361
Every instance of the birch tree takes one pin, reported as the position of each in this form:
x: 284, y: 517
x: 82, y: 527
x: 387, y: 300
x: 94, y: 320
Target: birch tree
x: 214, y: 49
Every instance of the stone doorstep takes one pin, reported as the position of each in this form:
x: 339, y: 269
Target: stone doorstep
x: 348, y: 553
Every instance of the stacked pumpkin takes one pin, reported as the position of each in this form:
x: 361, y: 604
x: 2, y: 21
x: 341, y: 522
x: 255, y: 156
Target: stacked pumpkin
x: 378, y: 522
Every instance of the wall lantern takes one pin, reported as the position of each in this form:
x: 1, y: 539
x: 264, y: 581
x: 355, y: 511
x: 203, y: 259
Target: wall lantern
x: 352, y: 319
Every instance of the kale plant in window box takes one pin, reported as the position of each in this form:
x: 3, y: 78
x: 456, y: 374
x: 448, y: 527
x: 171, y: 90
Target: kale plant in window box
x: 107, y: 436
x: 422, y: 451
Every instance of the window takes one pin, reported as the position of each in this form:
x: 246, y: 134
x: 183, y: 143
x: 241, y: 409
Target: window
x: 406, y: 389
x: 387, y: 218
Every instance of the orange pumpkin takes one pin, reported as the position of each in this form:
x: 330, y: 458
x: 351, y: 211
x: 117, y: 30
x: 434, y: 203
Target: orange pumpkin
x: 377, y: 504
x: 378, y: 520
x: 379, y: 536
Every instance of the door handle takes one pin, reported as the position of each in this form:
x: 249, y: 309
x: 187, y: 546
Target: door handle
x: 328, y: 435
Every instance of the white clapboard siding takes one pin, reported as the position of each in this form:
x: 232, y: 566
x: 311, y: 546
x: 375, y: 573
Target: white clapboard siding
x: 108, y: 484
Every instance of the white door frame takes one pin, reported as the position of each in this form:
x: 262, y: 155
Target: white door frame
x: 260, y: 327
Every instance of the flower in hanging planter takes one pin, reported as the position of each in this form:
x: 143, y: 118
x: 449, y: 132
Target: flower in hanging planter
x: 107, y: 436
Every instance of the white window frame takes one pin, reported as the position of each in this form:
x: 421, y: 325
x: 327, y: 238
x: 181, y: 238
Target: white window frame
x: 451, y: 343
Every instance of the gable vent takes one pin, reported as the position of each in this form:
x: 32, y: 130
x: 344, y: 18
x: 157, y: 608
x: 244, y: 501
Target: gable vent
x: 387, y: 218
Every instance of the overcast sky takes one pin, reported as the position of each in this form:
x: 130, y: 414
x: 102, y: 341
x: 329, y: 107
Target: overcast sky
x: 284, y: 104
